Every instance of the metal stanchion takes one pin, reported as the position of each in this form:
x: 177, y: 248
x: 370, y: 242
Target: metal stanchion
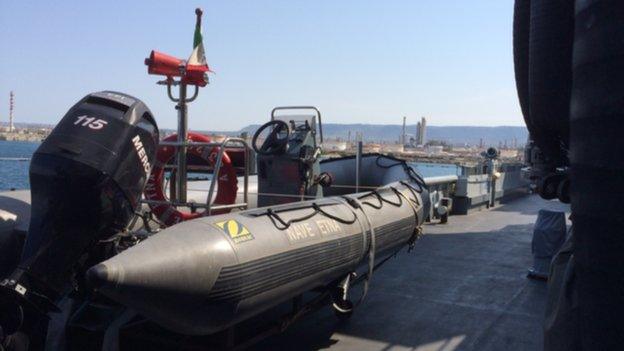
x: 182, y: 135
x: 358, y: 165
x: 178, y: 188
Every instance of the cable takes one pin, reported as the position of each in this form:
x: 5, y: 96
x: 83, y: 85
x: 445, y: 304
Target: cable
x: 146, y: 217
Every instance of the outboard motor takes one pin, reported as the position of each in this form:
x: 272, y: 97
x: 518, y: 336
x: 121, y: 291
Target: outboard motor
x: 288, y: 159
x: 86, y: 181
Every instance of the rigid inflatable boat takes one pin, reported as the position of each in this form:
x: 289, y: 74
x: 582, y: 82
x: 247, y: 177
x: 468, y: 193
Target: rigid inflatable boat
x: 96, y: 237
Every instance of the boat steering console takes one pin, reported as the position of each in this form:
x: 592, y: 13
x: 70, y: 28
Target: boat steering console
x: 288, y: 159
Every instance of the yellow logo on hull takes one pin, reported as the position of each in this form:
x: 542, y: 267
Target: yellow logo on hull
x: 238, y: 232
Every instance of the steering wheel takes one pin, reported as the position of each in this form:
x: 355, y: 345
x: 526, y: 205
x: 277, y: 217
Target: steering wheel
x: 273, y: 144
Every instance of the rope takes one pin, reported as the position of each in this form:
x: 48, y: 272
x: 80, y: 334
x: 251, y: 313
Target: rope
x: 349, y: 202
x: 371, y: 257
x: 354, y: 202
x: 417, y: 178
x: 412, y: 206
x: 320, y: 210
x: 274, y: 216
x: 417, y: 228
x: 381, y: 199
x: 412, y: 190
x: 377, y: 196
x: 372, y: 247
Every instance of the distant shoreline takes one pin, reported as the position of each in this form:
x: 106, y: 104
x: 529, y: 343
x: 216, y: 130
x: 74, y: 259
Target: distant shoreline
x: 25, y: 138
x: 499, y: 136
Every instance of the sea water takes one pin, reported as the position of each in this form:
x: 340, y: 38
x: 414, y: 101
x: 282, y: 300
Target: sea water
x: 15, y: 160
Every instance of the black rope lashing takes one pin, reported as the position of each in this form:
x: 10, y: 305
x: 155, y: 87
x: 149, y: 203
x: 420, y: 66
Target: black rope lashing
x: 377, y: 196
x: 411, y: 173
x: 413, y: 206
x: 336, y: 218
x: 412, y: 190
x: 381, y: 199
x: 417, y: 178
x: 275, y: 217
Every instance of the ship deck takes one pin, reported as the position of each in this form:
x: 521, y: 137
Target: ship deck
x: 464, y: 287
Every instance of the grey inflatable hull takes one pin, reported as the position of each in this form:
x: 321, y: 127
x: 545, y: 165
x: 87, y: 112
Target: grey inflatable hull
x: 202, y: 276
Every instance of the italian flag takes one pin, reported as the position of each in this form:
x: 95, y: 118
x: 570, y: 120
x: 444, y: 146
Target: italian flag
x: 196, y: 66
x: 198, y: 56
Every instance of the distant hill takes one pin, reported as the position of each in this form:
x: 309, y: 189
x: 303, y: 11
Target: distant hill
x: 456, y: 135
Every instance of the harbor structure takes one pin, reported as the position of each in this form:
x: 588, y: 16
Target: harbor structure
x: 417, y: 136
x: 421, y: 131
x: 11, y: 107
x: 403, y: 139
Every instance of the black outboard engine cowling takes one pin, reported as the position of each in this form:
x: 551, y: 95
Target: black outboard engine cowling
x: 86, y: 181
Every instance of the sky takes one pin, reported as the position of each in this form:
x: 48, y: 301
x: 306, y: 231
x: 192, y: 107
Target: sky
x: 357, y: 61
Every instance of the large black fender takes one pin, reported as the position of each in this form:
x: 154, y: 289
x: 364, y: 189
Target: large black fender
x: 597, y: 169
x: 550, y: 75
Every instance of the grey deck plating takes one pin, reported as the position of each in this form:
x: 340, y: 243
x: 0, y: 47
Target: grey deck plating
x: 463, y: 288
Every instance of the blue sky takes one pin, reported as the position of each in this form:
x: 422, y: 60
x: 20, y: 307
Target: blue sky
x: 357, y: 61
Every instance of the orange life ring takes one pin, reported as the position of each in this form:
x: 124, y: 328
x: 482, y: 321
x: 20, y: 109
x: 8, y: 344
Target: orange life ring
x: 227, y: 181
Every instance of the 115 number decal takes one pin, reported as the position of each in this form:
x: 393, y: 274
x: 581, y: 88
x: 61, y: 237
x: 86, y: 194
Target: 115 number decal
x: 91, y: 122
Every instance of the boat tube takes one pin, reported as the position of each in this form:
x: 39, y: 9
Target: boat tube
x: 204, y: 275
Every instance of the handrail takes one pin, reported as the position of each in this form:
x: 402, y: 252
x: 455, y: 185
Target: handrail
x: 441, y: 179
x: 216, y: 169
x: 193, y: 143
x: 242, y: 205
